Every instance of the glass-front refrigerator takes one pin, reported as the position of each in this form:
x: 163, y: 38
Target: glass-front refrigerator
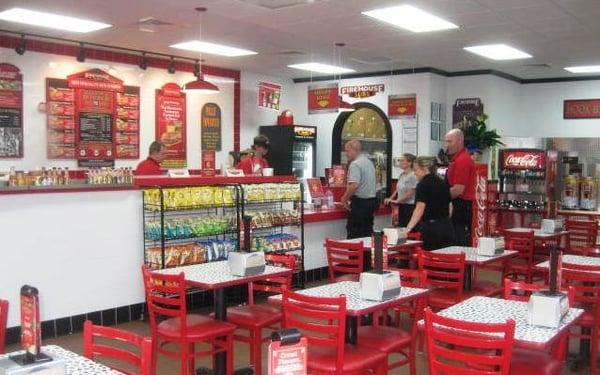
x: 292, y: 149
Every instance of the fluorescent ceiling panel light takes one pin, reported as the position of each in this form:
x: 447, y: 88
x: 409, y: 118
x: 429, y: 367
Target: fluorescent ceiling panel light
x: 213, y: 48
x: 321, y: 68
x: 583, y: 69
x: 51, y: 20
x: 498, y: 52
x: 410, y: 18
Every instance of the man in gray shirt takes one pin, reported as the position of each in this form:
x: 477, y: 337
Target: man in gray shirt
x: 360, y: 195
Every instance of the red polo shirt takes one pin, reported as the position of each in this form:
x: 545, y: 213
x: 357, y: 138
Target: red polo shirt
x: 462, y: 172
x: 148, y: 167
x: 248, y: 165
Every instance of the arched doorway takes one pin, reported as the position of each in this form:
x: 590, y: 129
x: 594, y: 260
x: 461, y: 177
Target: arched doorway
x: 369, y: 124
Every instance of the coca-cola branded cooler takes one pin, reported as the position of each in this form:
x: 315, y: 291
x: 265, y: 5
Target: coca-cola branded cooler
x: 524, y: 186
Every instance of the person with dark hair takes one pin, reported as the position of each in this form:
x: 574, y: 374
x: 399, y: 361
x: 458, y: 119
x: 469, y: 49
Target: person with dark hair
x: 404, y: 196
x: 256, y: 163
x: 433, y: 206
x: 157, y: 152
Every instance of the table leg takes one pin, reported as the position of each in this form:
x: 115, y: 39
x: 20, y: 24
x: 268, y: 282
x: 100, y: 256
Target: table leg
x: 351, y: 329
x: 468, y: 277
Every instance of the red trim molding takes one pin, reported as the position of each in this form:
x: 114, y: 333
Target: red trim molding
x: 133, y: 59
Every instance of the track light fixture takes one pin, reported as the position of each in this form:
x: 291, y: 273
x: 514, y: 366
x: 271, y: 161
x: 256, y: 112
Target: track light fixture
x: 22, y: 46
x: 172, y: 69
x: 144, y: 63
x: 197, y: 69
x: 81, y: 53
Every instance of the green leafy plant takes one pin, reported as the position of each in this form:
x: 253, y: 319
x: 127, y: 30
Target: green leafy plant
x: 478, y: 137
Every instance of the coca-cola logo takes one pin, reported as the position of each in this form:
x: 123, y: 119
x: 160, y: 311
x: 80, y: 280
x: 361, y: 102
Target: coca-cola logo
x: 524, y: 161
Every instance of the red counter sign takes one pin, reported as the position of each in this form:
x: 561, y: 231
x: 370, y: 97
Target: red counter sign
x: 288, y: 359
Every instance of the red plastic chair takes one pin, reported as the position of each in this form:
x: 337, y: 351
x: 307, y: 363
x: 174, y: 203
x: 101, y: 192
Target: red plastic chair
x: 254, y: 318
x: 394, y: 340
x: 3, y: 320
x: 457, y: 347
x: 445, y: 274
x: 346, y: 258
x: 582, y: 235
x: 523, y: 264
x: 170, y: 323
x: 322, y: 320
x: 140, y: 358
x: 587, y: 296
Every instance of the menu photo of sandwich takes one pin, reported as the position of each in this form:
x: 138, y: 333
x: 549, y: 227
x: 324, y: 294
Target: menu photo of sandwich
x: 173, y: 134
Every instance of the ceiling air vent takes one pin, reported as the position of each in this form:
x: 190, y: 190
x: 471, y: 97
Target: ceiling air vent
x: 279, y: 4
x: 291, y: 53
x: 537, y: 65
x: 151, y: 24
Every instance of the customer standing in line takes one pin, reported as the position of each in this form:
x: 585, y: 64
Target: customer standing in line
x: 433, y: 206
x: 404, y: 196
x: 360, y: 195
x: 461, y: 178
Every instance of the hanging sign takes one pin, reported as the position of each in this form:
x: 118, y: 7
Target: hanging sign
x: 269, y: 95
x: 362, y: 91
x: 11, y: 112
x: 402, y: 106
x: 581, y: 109
x: 171, y: 124
x: 466, y: 110
x: 323, y: 98
x: 210, y: 127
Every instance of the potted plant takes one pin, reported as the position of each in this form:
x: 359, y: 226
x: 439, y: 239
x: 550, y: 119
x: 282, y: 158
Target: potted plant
x: 478, y: 137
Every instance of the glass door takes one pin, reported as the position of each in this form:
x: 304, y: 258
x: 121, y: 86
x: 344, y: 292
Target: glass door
x: 302, y: 163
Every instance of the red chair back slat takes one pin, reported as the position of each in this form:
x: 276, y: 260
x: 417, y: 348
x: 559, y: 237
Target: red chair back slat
x: 165, y: 298
x: 140, y: 358
x: 457, y: 347
x: 412, y: 278
x: 582, y: 234
x: 274, y: 284
x: 512, y: 289
x: 443, y: 270
x: 3, y: 320
x: 344, y: 257
x: 523, y: 242
x: 586, y: 285
x: 322, y: 320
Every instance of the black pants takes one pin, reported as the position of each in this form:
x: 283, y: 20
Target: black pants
x: 406, y: 211
x: 360, y: 217
x: 461, y: 220
x: 437, y: 234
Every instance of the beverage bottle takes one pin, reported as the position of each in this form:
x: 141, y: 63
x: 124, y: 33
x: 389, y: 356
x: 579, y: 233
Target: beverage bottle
x: 12, y: 176
x: 329, y: 196
x: 66, y: 178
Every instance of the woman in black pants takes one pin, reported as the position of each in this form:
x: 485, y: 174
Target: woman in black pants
x: 404, y: 196
x: 433, y: 206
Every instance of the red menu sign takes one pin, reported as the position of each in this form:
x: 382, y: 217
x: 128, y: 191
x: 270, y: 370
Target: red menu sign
x: 269, y: 95
x: 171, y: 124
x: 11, y: 112
x: 60, y: 118
x: 31, y: 326
x: 127, y: 123
x: 523, y: 159
x: 402, y: 106
x: 323, y: 98
x: 208, y: 163
x: 581, y: 109
x: 315, y: 187
x: 287, y: 359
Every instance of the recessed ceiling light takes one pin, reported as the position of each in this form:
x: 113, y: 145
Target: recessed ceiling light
x: 321, y: 68
x: 498, y: 52
x: 212, y: 48
x: 410, y: 18
x: 51, y: 20
x: 584, y: 69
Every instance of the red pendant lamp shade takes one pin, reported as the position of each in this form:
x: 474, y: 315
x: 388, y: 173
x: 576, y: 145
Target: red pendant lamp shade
x: 201, y: 86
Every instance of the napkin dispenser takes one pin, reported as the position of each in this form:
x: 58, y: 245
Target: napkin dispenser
x: 56, y: 366
x: 490, y: 246
x: 552, y: 225
x: 546, y: 308
x: 246, y: 264
x: 379, y: 286
x: 395, y: 236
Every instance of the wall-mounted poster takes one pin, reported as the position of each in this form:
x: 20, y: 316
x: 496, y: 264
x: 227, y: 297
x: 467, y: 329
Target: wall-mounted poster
x: 11, y: 112
x: 60, y: 119
x: 127, y: 124
x: 210, y: 127
x: 362, y: 91
x: 465, y: 110
x: 402, y: 106
x: 269, y: 95
x: 171, y: 124
x: 581, y: 109
x: 323, y: 98
x: 209, y: 163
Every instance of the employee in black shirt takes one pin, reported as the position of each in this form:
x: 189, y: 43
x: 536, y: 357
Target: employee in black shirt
x: 433, y: 206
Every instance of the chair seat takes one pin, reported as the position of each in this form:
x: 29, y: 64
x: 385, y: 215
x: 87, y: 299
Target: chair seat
x: 356, y: 358
x: 383, y: 338
x: 254, y: 316
x: 198, y: 327
x: 533, y: 362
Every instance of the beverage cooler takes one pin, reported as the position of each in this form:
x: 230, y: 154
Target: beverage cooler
x: 524, y: 185
x: 292, y: 149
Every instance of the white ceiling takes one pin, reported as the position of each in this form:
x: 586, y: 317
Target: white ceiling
x: 556, y: 32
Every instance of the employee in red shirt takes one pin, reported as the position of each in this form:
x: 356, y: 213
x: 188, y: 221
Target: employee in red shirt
x: 151, y: 166
x: 255, y: 164
x: 461, y: 178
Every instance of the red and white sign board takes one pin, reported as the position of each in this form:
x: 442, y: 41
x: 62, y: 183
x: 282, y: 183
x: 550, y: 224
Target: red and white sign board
x: 523, y: 159
x: 287, y: 359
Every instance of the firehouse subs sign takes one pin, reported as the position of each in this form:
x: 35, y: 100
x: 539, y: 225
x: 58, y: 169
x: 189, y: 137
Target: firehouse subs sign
x: 362, y: 91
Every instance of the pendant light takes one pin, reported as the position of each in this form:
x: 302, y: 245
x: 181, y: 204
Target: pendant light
x: 343, y: 106
x: 200, y: 86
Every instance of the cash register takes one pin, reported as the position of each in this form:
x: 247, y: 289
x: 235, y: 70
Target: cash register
x: 378, y: 284
x: 246, y: 262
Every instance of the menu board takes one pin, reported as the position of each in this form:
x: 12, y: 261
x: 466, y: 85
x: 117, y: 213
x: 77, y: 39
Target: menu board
x: 269, y: 95
x: 11, y: 112
x: 127, y: 124
x: 171, y: 125
x: 323, y: 98
x: 60, y: 110
x: 210, y: 124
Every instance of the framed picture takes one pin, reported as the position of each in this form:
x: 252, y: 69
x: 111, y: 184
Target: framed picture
x: 434, y: 130
x: 442, y: 130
